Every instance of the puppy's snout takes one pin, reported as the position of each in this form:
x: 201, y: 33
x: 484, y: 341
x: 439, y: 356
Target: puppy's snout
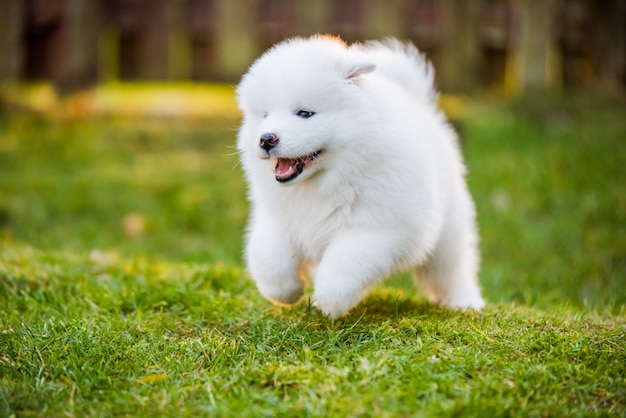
x: 268, y: 141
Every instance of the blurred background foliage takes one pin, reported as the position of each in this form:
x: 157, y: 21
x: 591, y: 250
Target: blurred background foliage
x: 508, y: 46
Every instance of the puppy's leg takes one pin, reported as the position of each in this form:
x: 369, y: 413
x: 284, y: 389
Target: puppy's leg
x: 448, y: 285
x: 353, y: 261
x: 272, y: 262
x: 450, y: 275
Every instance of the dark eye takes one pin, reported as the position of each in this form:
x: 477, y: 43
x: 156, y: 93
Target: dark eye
x: 305, y: 114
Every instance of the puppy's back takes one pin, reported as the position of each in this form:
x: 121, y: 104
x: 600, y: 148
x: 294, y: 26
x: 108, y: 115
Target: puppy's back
x: 405, y: 65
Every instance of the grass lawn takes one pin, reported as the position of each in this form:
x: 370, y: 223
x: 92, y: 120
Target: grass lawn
x: 123, y: 293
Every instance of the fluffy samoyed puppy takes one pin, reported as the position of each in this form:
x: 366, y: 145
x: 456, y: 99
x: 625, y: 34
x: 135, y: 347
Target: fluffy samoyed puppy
x: 353, y: 173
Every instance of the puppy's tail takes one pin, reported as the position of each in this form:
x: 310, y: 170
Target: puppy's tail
x: 404, y: 64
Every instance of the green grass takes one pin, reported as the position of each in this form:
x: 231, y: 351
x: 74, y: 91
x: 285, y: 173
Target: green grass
x: 122, y: 289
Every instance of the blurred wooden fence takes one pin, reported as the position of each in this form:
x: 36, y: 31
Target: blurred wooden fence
x: 507, y: 45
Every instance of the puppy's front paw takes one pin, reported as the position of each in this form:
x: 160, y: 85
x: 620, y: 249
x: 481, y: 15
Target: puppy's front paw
x: 335, y: 300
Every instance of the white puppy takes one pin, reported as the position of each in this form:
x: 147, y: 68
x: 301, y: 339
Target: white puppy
x: 354, y: 172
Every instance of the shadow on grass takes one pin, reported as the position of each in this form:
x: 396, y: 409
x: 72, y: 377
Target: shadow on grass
x: 381, y: 305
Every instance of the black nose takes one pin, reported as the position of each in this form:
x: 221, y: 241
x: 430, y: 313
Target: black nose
x: 268, y: 141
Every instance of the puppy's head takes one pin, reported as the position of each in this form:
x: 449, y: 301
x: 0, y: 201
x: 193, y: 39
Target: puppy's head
x: 301, y: 100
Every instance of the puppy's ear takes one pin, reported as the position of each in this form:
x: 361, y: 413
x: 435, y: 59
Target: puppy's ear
x: 356, y: 70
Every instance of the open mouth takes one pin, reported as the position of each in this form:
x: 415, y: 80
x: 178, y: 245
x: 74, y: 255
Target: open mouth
x: 288, y: 169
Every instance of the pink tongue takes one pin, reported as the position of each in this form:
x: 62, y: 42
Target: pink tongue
x: 285, y: 168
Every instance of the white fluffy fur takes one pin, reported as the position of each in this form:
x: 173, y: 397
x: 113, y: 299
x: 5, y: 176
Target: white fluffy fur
x: 387, y: 193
